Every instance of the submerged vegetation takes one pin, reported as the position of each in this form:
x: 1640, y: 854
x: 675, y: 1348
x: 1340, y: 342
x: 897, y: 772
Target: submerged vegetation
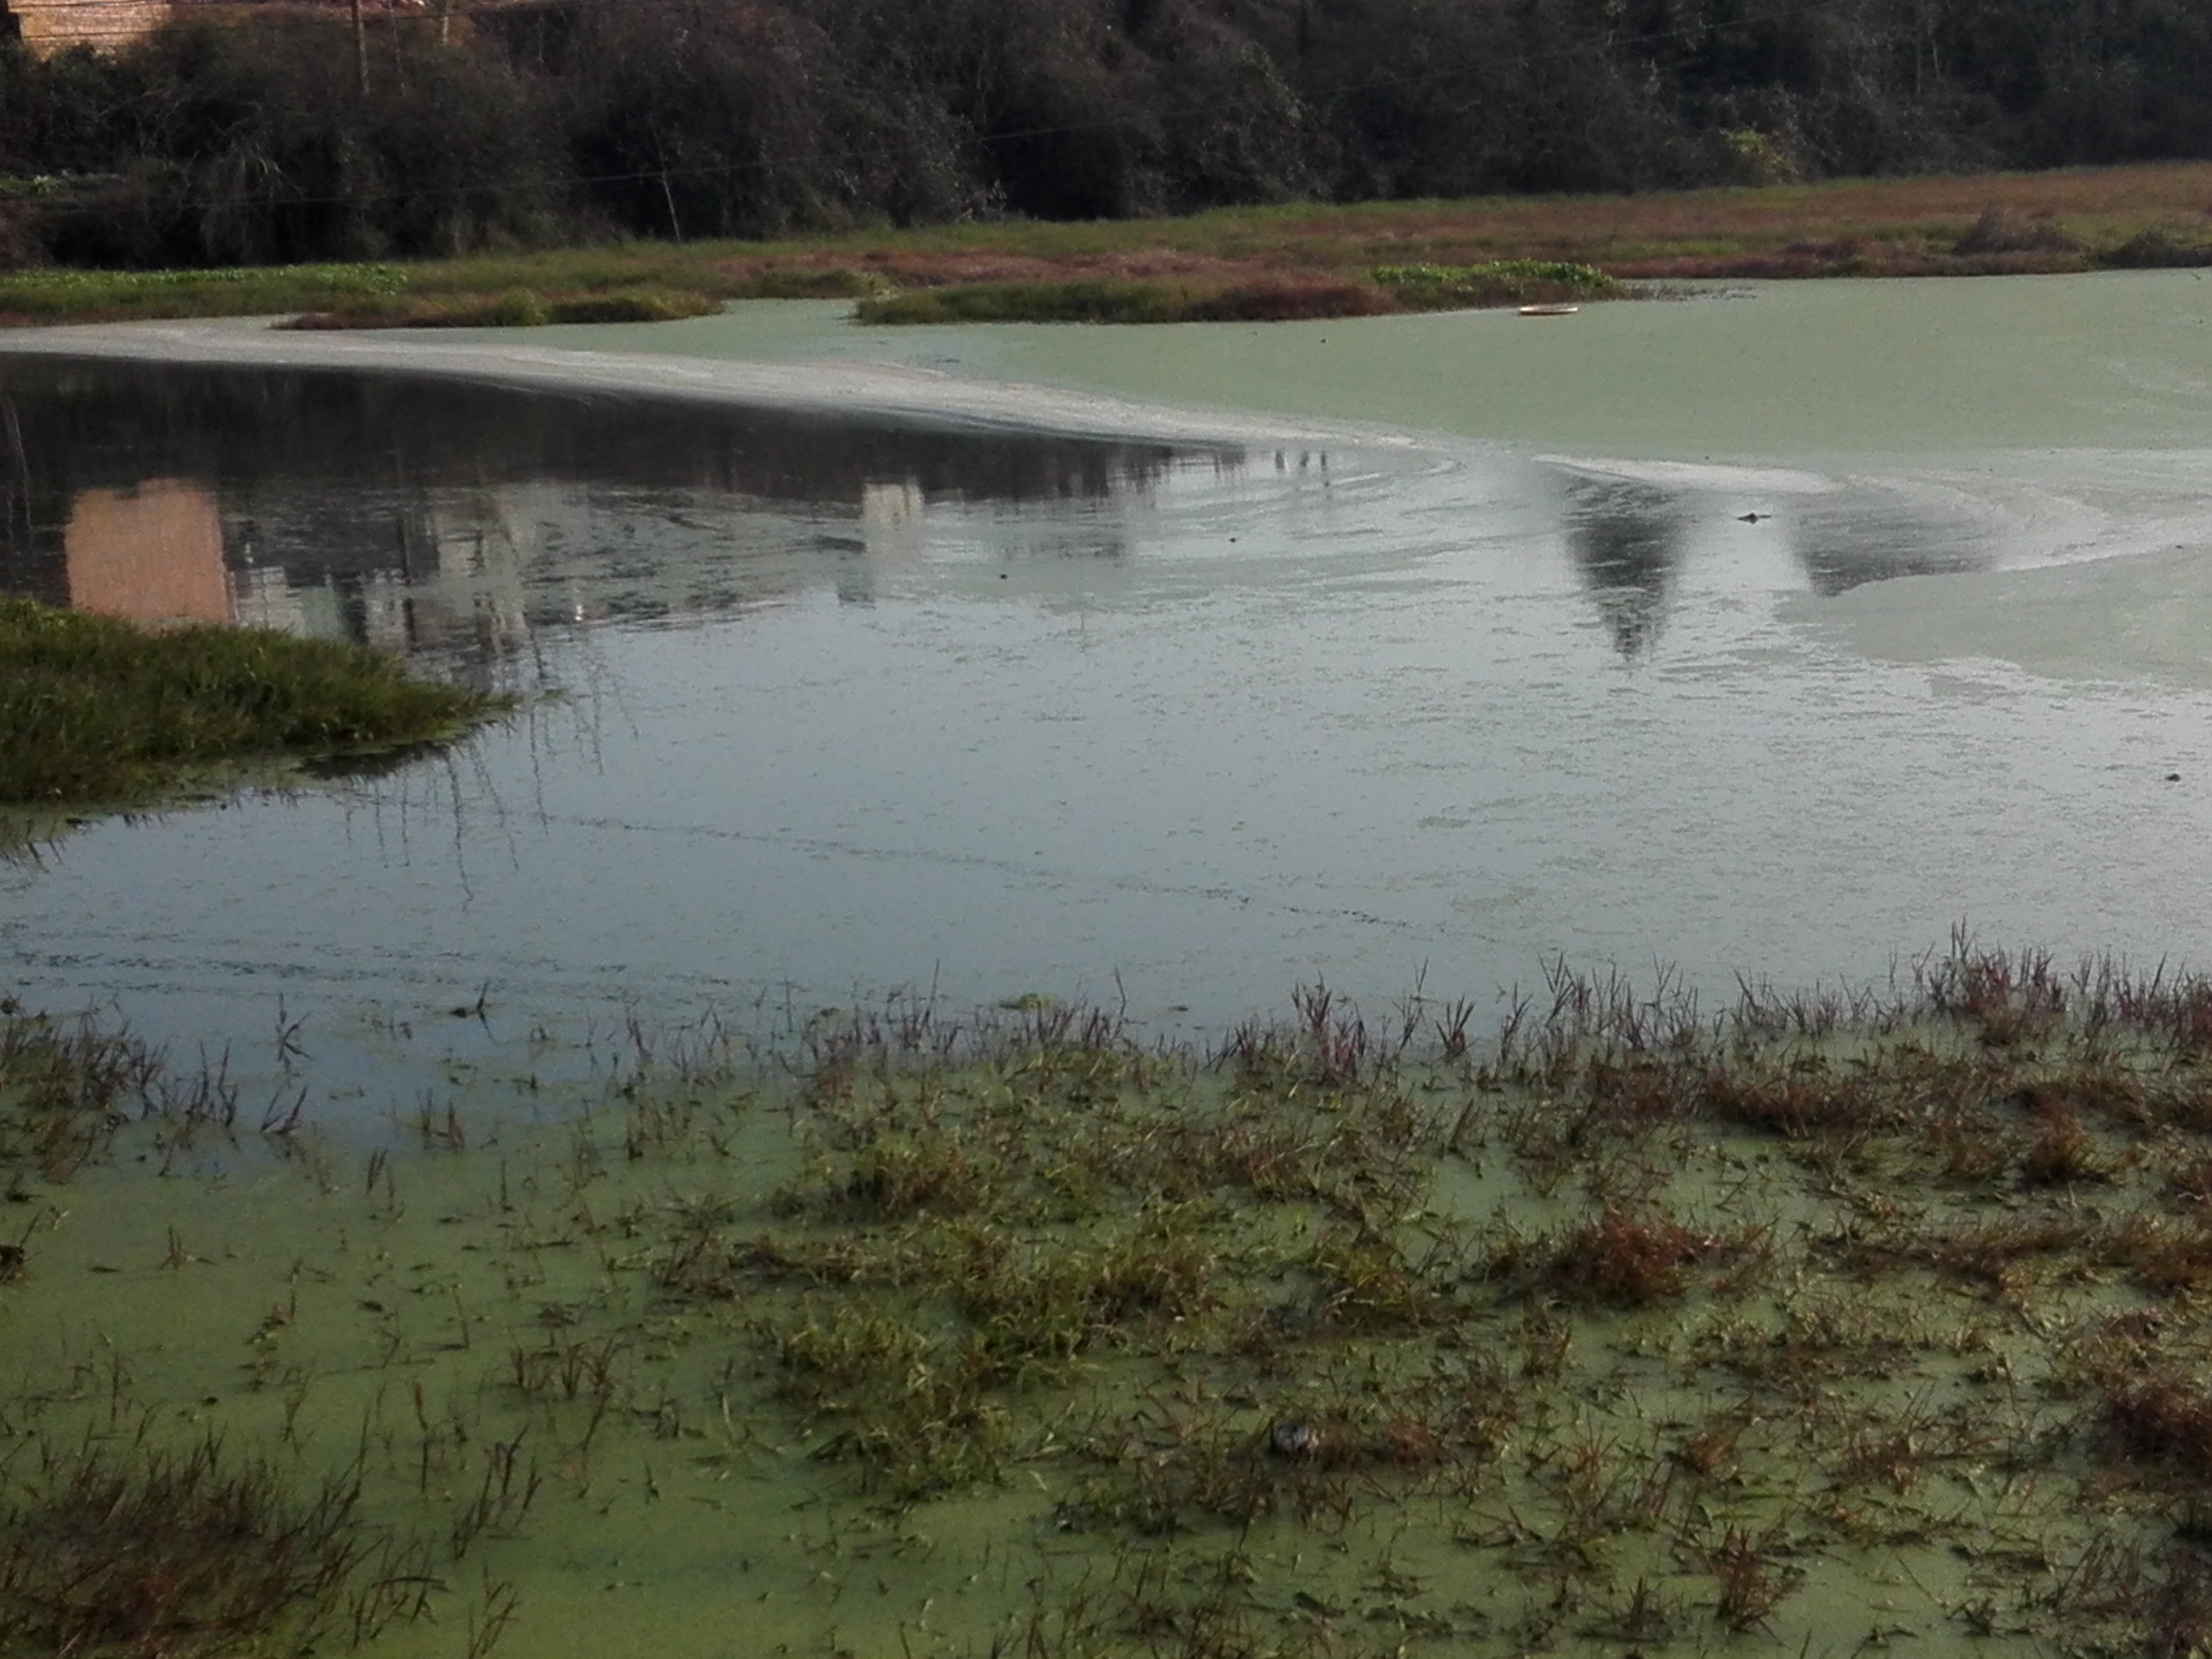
x: 1632, y: 1325
x: 95, y: 711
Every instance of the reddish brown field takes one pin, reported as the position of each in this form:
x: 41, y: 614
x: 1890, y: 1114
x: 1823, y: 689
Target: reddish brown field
x: 1980, y: 224
x: 1294, y: 260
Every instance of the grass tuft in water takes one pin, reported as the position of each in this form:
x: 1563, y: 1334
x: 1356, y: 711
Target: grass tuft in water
x: 141, y: 1551
x: 65, y: 1087
x: 98, y: 711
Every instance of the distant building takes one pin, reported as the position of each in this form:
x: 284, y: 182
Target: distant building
x: 51, y: 25
x: 47, y: 26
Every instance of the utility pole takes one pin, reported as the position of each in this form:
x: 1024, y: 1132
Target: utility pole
x: 359, y: 49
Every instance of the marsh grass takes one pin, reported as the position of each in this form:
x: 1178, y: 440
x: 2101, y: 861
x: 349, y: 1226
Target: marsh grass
x: 519, y: 307
x: 1267, y: 299
x: 45, y: 296
x: 1098, y: 299
x: 143, y: 1551
x: 1753, y: 1288
x: 98, y: 711
x: 1290, y: 260
x: 66, y: 1087
x: 1644, y: 1324
x: 1495, y: 283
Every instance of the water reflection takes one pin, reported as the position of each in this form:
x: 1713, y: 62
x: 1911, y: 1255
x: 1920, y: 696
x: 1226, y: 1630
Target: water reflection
x: 1626, y: 538
x: 153, y: 551
x: 459, y: 520
x: 1632, y: 536
x: 1218, y: 729
x: 1867, y: 535
x: 455, y: 519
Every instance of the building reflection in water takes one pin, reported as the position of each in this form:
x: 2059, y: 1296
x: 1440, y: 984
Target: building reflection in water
x: 152, y: 553
x: 454, y: 519
x: 1626, y: 539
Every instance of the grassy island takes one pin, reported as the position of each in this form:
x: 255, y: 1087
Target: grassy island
x: 96, y: 712
x: 1806, y: 1324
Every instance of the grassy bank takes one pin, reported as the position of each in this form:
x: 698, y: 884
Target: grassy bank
x: 98, y: 712
x: 1257, y: 262
x: 1627, y: 1326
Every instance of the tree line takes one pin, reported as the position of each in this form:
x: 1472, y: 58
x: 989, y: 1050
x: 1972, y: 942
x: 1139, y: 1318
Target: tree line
x: 257, y: 134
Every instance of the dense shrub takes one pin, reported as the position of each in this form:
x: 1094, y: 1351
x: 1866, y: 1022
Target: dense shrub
x: 216, y: 142
x: 259, y: 135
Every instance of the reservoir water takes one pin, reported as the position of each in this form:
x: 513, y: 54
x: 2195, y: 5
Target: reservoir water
x: 1772, y: 634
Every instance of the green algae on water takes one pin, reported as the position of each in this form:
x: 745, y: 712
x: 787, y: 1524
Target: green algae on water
x: 1813, y: 1320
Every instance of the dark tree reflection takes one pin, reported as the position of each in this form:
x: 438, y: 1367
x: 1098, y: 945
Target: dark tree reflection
x: 1859, y: 537
x: 1625, y: 538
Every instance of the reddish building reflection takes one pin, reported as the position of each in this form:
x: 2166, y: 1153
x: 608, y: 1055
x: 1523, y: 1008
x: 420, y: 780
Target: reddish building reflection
x: 152, y: 553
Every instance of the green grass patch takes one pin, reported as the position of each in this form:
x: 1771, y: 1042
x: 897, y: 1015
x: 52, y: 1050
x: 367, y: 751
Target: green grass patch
x: 45, y: 296
x: 621, y: 285
x: 97, y: 711
x: 833, y: 283
x: 1495, y: 283
x: 1099, y: 301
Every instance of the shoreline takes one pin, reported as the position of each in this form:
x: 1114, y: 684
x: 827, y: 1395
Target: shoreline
x: 901, y: 393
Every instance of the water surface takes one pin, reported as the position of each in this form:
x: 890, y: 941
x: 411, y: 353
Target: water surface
x: 851, y: 703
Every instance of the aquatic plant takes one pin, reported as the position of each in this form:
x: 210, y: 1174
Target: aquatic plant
x: 1627, y: 1258
x: 66, y: 1087
x: 1749, y: 1582
x: 147, y: 1550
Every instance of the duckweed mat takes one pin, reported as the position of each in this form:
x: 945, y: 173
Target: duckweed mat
x: 1822, y: 1322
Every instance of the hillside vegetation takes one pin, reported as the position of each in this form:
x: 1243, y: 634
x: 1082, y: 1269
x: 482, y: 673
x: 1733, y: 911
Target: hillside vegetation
x: 251, y: 134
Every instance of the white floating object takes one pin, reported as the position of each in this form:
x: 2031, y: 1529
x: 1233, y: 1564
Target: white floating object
x: 1549, y: 311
